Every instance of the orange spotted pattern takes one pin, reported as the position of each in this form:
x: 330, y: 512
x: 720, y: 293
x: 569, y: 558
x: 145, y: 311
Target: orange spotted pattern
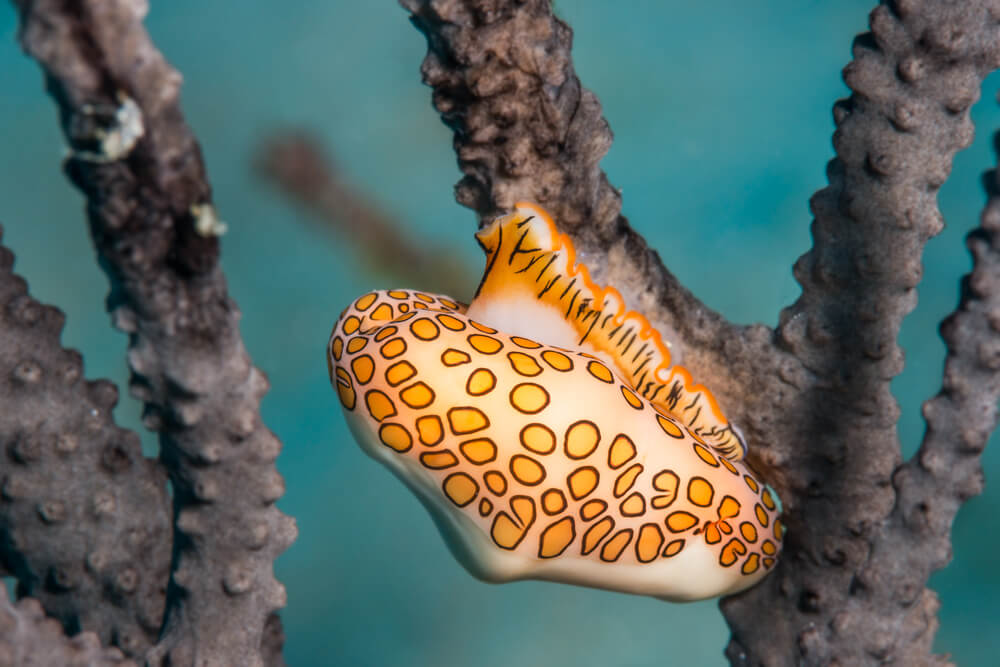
x: 499, y: 424
x: 526, y: 254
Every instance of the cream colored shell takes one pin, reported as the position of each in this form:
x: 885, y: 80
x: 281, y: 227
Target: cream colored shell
x: 534, y: 452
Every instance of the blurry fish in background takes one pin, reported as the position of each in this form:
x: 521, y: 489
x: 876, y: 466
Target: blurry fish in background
x: 294, y: 161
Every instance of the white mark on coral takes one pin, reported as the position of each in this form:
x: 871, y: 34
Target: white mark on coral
x: 120, y: 138
x: 206, y: 220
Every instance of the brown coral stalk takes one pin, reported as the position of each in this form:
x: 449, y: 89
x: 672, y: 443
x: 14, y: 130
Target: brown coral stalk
x: 84, y: 517
x: 813, y: 396
x: 28, y: 637
x: 150, y: 213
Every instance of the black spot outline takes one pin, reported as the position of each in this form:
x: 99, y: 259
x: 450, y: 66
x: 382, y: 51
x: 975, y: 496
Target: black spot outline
x: 728, y: 466
x: 456, y: 474
x: 756, y: 534
x: 666, y: 521
x: 378, y: 305
x: 566, y: 439
x: 343, y: 327
x: 660, y: 418
x: 479, y: 326
x: 625, y: 390
x: 520, y: 437
x: 435, y: 453
x: 516, y: 520
x: 666, y: 470
x: 653, y: 498
x: 358, y: 308
x: 355, y: 372
x: 696, y: 447
x: 364, y: 343
x: 437, y: 329
x: 639, y: 537
x: 514, y: 367
x: 671, y: 543
x: 621, y: 505
x: 385, y: 332
x: 634, y: 478
x: 761, y: 514
x: 593, y: 500
x: 452, y: 317
x: 598, y: 363
x: 623, y: 531
x: 583, y: 543
x: 462, y: 352
x: 572, y: 528
x: 451, y: 424
x: 399, y: 363
x: 570, y: 486
x: 482, y: 335
x: 420, y: 437
x: 510, y: 398
x: 722, y: 552
x: 368, y: 405
x: 612, y: 447
x: 412, y: 386
x: 384, y: 443
x: 489, y: 510
x: 739, y: 507
x: 493, y: 458
x: 553, y: 366
x: 482, y: 393
x: 499, y: 474
x: 687, y: 492
x: 562, y: 495
x: 528, y: 344
x: 755, y: 558
x: 381, y: 350
x: 510, y: 466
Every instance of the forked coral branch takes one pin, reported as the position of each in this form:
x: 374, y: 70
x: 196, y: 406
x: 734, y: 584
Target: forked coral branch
x: 155, y: 230
x: 812, y: 395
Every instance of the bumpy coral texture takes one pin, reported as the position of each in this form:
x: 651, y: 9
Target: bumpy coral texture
x: 146, y: 202
x: 29, y: 637
x: 812, y: 395
x: 83, y: 515
x: 865, y: 529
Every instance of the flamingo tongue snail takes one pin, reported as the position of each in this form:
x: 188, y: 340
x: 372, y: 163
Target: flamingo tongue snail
x: 546, y: 432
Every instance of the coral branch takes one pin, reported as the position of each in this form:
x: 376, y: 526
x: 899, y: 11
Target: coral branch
x: 813, y: 396
x: 28, y: 637
x: 84, y: 518
x: 295, y: 163
x: 852, y: 585
x: 273, y: 641
x: 525, y: 129
x: 946, y: 471
x: 155, y: 230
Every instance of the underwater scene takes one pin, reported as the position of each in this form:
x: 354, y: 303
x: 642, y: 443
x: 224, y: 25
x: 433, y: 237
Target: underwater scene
x: 335, y: 176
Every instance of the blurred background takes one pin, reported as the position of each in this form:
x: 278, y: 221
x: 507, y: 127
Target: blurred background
x: 723, y: 124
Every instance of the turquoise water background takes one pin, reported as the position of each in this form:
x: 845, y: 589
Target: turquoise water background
x: 723, y: 124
